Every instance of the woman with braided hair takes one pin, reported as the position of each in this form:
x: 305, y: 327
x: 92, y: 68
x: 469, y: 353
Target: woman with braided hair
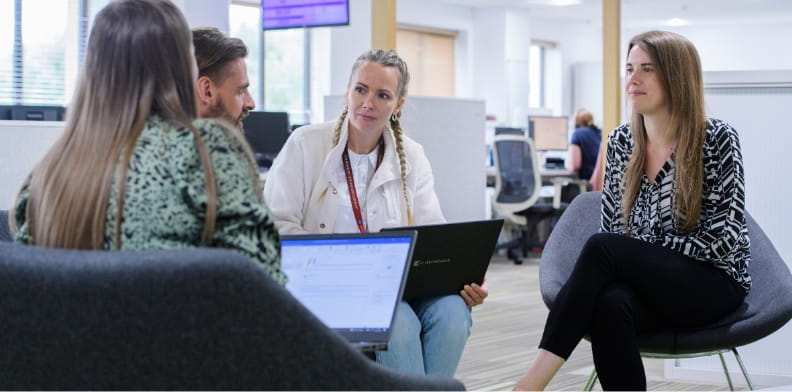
x: 362, y: 173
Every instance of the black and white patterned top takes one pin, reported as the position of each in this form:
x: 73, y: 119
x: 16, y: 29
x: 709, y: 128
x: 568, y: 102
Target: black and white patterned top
x: 721, y: 235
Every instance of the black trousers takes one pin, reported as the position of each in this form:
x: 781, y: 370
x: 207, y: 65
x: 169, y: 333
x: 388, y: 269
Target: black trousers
x: 622, y: 286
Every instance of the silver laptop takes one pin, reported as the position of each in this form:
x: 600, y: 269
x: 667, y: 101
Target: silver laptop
x: 351, y: 282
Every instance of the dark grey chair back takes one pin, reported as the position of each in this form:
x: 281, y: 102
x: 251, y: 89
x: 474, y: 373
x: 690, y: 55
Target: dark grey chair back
x: 168, y: 319
x: 515, y: 163
x: 5, y: 234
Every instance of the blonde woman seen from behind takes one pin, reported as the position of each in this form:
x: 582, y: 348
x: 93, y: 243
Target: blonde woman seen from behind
x: 362, y: 173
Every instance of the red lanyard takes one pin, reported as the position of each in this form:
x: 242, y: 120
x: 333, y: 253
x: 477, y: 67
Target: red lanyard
x: 351, y: 183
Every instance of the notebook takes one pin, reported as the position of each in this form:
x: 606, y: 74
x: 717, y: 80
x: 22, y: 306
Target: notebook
x: 351, y: 282
x: 449, y: 256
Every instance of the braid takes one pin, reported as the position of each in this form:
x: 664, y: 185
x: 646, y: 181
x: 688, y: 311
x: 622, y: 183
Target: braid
x: 337, y: 135
x: 397, y: 134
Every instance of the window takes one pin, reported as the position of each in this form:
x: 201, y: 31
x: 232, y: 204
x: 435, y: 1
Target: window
x: 430, y: 58
x: 536, y: 73
x: 544, y: 76
x: 39, y: 50
x: 280, y: 84
x: 285, y: 73
x: 245, y: 24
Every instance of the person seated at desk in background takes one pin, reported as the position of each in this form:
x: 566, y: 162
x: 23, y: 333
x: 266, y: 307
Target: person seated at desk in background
x: 222, y: 85
x: 673, y: 249
x: 133, y: 168
x: 584, y: 146
x: 362, y: 173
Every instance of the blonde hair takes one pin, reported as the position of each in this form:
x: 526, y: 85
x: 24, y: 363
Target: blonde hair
x: 678, y: 68
x: 121, y: 85
x: 386, y: 58
x: 584, y: 118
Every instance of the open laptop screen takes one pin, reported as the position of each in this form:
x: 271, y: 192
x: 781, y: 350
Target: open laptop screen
x: 351, y: 282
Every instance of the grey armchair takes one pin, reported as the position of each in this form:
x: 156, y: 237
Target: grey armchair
x: 168, y: 319
x: 763, y: 312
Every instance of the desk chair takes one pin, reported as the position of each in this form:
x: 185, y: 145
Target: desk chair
x: 191, y: 318
x: 517, y: 193
x: 5, y: 234
x: 763, y: 312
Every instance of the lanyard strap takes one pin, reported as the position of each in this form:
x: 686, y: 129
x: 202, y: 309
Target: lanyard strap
x: 351, y: 183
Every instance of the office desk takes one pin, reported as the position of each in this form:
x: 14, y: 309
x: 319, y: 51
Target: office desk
x: 547, y: 175
x: 552, y: 182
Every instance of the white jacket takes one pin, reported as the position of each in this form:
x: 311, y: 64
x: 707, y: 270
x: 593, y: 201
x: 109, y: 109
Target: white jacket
x: 301, y: 186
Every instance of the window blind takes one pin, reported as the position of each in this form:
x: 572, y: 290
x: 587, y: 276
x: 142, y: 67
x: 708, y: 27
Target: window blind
x: 41, y: 44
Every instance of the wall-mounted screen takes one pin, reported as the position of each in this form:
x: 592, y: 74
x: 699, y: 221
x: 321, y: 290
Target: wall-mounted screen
x: 285, y: 14
x: 548, y: 132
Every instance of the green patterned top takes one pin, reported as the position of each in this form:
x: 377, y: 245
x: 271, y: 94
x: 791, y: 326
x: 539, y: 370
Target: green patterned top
x: 165, y: 197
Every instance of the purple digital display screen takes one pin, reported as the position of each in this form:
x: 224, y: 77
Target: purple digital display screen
x: 284, y: 14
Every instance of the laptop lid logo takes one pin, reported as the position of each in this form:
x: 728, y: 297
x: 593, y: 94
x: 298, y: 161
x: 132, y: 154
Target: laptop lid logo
x: 418, y: 262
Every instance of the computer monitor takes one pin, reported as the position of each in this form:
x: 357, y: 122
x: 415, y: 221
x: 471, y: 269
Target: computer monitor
x: 548, y: 132
x: 32, y: 113
x: 266, y: 132
x: 509, y: 131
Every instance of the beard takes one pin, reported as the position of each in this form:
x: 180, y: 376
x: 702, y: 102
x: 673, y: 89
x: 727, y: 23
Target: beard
x: 219, y: 110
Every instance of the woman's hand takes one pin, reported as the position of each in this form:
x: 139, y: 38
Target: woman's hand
x: 473, y: 294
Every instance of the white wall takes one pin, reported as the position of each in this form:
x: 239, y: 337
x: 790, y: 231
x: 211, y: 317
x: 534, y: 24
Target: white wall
x: 197, y: 12
x: 205, y: 13
x: 22, y: 145
x: 347, y: 43
x: 490, y: 82
x: 517, y: 44
x: 752, y: 110
x: 577, y: 42
x: 734, y: 47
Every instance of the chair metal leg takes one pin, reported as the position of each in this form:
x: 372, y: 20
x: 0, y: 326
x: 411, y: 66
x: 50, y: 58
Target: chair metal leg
x: 591, y: 380
x: 726, y: 371
x: 742, y: 368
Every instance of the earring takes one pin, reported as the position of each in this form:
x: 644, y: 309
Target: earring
x: 394, y: 118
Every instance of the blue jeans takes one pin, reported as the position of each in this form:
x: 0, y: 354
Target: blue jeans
x: 428, y: 336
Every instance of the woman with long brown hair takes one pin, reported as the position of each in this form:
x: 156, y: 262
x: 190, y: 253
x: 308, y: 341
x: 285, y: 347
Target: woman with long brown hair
x: 673, y: 248
x: 133, y: 168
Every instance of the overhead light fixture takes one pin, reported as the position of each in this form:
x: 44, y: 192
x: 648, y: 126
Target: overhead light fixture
x: 677, y: 22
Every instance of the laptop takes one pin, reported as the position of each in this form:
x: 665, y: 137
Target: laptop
x: 351, y: 282
x: 449, y: 256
